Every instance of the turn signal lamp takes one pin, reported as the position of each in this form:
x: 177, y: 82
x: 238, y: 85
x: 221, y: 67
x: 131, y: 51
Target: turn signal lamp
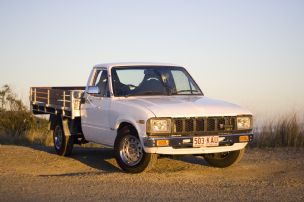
x: 162, y: 143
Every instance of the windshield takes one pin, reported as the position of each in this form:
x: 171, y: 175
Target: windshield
x: 136, y: 81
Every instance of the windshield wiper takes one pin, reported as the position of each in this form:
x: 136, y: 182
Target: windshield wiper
x: 147, y: 93
x: 184, y: 91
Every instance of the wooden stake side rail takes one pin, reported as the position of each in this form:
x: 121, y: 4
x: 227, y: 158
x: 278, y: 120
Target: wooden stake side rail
x: 56, y: 100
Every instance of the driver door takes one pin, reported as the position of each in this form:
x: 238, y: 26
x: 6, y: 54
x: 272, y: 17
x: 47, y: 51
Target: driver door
x: 95, y: 111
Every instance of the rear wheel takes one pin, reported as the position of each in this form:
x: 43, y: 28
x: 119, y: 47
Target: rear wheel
x: 224, y: 159
x: 129, y: 152
x: 63, y: 144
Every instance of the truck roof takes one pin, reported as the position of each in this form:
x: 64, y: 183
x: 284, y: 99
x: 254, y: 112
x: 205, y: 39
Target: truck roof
x: 121, y: 64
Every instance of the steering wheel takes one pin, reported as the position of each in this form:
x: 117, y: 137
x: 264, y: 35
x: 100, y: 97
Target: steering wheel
x: 153, y: 78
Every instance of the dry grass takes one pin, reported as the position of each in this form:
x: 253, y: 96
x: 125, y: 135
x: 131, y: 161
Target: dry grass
x: 37, y: 134
x: 17, y: 124
x: 286, y: 131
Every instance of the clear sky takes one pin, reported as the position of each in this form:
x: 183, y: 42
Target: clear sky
x: 247, y: 52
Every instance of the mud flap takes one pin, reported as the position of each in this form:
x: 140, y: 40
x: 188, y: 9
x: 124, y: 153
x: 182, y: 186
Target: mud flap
x: 65, y: 126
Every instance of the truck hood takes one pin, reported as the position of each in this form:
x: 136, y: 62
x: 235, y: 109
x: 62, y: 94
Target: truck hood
x: 187, y: 106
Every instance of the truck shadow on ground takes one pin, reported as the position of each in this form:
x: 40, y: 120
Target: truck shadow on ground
x: 199, y: 160
x: 191, y: 159
x: 96, y: 158
x: 103, y: 159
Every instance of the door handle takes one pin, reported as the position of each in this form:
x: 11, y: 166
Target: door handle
x: 92, y: 104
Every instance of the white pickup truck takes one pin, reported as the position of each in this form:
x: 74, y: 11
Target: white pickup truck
x: 143, y: 110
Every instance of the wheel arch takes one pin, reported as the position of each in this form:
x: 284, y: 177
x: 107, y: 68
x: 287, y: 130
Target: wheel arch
x: 57, y: 119
x: 54, y: 119
x: 125, y: 123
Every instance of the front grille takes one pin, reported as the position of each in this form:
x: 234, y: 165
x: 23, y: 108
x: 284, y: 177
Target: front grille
x: 210, y: 124
x: 221, y: 124
x: 189, y: 125
x: 204, y: 124
x: 178, y: 123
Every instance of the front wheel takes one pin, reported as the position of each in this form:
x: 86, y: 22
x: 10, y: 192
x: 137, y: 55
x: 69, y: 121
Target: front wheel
x: 129, y: 152
x: 63, y: 144
x: 224, y: 159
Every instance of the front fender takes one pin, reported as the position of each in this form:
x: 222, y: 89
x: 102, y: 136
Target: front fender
x: 131, y: 113
x: 140, y: 127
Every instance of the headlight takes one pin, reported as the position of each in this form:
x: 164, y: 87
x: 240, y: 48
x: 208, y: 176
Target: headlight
x: 160, y: 125
x: 243, y: 123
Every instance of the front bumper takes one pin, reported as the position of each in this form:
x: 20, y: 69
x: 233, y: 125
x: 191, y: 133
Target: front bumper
x: 184, y: 144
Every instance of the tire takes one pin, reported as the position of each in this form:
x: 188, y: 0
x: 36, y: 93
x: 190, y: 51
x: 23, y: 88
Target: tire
x: 129, y: 152
x: 63, y: 144
x: 224, y: 159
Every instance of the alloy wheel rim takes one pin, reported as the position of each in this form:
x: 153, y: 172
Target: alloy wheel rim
x: 131, y: 151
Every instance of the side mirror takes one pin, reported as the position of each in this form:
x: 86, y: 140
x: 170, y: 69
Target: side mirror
x: 93, y: 90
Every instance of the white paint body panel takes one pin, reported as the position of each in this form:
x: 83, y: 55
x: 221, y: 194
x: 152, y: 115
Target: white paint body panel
x: 186, y: 106
x: 96, y: 120
x: 119, y: 112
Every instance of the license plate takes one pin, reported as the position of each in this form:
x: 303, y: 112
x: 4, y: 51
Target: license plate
x: 206, y: 141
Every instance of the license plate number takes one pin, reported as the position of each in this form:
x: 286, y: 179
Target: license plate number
x: 206, y: 141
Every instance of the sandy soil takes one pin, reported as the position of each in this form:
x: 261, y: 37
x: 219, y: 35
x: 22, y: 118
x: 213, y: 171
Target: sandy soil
x: 91, y: 174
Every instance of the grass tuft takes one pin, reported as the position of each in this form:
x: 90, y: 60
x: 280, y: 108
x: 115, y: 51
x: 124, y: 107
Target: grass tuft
x: 286, y: 131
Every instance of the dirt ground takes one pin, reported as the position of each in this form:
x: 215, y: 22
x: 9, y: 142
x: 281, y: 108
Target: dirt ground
x: 91, y: 174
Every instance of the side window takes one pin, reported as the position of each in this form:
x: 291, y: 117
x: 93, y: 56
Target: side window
x: 101, y: 81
